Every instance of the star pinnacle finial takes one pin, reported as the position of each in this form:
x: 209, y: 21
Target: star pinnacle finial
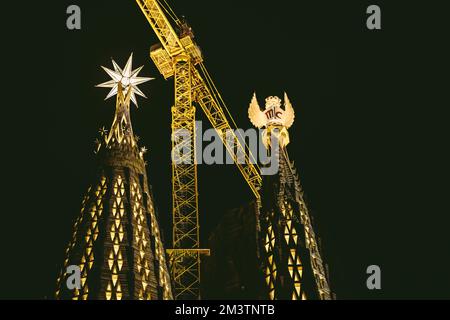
x: 128, y: 79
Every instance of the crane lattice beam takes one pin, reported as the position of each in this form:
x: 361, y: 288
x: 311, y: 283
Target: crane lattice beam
x: 178, y: 56
x: 242, y: 157
x: 162, y: 27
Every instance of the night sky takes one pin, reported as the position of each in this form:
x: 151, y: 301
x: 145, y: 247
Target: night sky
x: 358, y: 138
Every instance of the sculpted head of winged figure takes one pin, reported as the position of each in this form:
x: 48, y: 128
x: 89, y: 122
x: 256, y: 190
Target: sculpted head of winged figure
x: 273, y: 114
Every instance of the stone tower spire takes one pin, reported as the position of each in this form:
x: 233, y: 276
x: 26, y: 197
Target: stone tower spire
x: 290, y: 254
x: 116, y: 241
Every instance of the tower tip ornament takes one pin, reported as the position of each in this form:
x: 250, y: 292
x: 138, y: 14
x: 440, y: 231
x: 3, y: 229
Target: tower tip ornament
x: 273, y: 119
x: 127, y: 78
x: 273, y: 115
x: 124, y: 84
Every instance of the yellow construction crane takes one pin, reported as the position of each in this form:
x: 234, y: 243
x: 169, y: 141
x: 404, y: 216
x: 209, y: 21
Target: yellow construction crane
x: 178, y: 56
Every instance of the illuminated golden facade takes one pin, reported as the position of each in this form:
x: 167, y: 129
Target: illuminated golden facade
x: 293, y: 266
x: 116, y: 240
x: 290, y: 255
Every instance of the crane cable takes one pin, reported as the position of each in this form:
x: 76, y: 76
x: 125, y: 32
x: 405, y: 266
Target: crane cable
x: 219, y: 98
x: 166, y: 7
x: 215, y: 92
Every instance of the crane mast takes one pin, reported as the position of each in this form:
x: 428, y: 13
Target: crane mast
x: 179, y: 57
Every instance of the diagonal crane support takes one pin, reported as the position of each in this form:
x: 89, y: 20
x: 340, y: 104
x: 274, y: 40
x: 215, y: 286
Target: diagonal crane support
x: 181, y: 58
x: 162, y: 27
x: 205, y: 92
x: 212, y: 107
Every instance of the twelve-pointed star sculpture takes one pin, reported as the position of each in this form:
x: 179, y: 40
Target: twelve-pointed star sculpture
x: 127, y: 77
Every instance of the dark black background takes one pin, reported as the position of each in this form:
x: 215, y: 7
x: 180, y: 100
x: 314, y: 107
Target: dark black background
x: 369, y: 137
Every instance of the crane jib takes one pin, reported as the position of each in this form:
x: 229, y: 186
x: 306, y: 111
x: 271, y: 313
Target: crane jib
x: 205, y: 92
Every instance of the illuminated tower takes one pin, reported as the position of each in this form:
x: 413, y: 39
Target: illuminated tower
x: 116, y: 241
x: 291, y: 259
